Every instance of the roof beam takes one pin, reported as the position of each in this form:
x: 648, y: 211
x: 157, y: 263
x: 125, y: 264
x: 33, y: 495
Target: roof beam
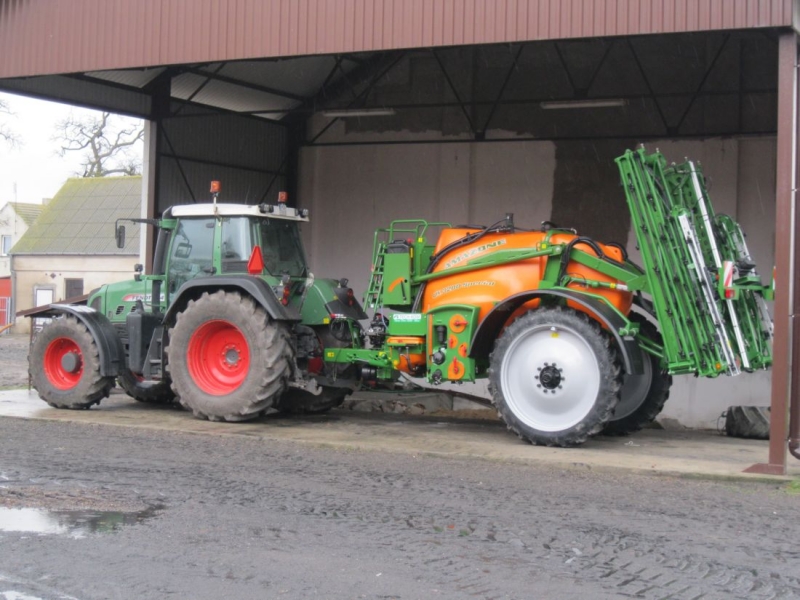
x: 245, y: 84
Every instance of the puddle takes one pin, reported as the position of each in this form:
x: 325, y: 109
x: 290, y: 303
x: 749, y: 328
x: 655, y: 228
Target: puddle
x: 75, y: 524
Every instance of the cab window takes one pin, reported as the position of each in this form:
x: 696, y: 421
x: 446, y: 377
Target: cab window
x: 282, y: 248
x: 236, y: 245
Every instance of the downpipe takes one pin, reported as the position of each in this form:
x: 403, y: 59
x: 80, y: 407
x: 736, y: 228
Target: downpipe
x: 794, y: 395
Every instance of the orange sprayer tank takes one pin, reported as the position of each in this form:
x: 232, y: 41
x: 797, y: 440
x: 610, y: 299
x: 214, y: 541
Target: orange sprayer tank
x: 488, y: 286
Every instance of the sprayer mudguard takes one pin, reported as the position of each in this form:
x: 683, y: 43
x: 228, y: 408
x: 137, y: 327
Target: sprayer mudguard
x: 489, y: 329
x: 109, y: 346
x: 256, y: 288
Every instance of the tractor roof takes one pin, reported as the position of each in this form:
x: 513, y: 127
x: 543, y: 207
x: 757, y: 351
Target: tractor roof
x: 264, y: 211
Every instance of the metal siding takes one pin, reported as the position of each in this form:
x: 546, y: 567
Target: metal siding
x: 56, y: 36
x: 243, y: 146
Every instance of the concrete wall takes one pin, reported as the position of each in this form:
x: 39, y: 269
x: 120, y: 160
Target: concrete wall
x: 31, y: 272
x: 351, y: 190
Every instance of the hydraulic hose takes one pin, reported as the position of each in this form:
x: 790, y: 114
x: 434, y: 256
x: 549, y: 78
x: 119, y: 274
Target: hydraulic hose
x: 562, y: 269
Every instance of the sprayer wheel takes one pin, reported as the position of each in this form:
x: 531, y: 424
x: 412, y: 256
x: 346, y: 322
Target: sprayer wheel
x: 643, y: 396
x: 555, y: 377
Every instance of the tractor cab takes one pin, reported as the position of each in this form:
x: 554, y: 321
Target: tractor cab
x: 227, y: 239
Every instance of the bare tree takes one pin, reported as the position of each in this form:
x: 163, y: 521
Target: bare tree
x: 107, y: 143
x: 8, y: 135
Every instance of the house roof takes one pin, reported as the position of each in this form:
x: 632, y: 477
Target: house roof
x: 80, y: 218
x: 27, y: 212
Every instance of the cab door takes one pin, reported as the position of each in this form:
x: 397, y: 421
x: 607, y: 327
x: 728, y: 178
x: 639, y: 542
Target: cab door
x: 191, y: 252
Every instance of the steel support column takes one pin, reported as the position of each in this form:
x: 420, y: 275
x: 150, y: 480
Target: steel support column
x: 148, y: 210
x: 785, y: 186
x: 151, y: 165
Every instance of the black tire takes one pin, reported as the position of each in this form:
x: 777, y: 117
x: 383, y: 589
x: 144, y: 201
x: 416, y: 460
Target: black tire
x: 748, y: 422
x: 252, y: 368
x: 294, y: 401
x: 64, y: 366
x: 643, y: 396
x: 149, y: 392
x: 300, y: 402
x: 542, y: 402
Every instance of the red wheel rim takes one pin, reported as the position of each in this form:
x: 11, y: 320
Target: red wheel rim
x: 63, y: 363
x: 218, y: 357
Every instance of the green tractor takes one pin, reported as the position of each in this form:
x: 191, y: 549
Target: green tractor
x: 230, y: 323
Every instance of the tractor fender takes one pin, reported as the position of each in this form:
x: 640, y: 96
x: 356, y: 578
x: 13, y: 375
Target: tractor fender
x: 256, y: 288
x: 109, y: 346
x: 490, y: 327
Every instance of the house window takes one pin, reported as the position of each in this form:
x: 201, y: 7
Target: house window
x: 5, y: 245
x: 73, y: 288
x: 42, y: 296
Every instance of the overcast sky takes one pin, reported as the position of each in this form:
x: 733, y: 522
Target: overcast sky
x: 35, y: 167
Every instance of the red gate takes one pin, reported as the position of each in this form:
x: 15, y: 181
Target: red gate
x: 5, y: 311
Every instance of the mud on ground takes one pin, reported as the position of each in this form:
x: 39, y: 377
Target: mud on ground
x: 13, y: 360
x: 242, y: 518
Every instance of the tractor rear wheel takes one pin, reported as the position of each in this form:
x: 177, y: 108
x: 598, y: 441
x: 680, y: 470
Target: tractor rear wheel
x: 555, y: 377
x: 643, y: 396
x: 227, y: 359
x: 64, y: 365
x: 149, y: 392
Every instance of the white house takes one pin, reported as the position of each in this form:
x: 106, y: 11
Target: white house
x: 71, y: 249
x: 15, y: 219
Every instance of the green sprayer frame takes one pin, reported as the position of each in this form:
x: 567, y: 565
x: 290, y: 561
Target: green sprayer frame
x: 698, y: 278
x: 706, y: 294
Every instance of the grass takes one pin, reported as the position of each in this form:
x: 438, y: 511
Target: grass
x: 793, y: 488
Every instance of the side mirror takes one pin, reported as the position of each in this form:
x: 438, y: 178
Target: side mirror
x: 183, y: 250
x: 119, y: 234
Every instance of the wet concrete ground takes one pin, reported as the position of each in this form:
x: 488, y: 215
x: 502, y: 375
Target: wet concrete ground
x: 253, y: 516
x: 694, y: 453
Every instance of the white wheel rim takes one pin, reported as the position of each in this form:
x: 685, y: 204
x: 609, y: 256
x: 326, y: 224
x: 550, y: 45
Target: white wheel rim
x: 634, y: 389
x: 578, y: 382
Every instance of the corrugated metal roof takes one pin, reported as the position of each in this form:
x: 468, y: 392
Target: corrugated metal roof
x: 64, y: 36
x: 132, y: 77
x: 301, y: 76
x: 80, y: 218
x: 83, y: 92
x: 227, y: 96
x: 27, y: 212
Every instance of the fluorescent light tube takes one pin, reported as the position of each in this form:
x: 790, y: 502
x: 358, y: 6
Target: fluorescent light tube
x: 358, y: 112
x: 599, y: 103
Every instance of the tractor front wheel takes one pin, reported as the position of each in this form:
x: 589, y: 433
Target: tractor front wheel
x: 227, y: 359
x: 64, y: 365
x: 555, y: 377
